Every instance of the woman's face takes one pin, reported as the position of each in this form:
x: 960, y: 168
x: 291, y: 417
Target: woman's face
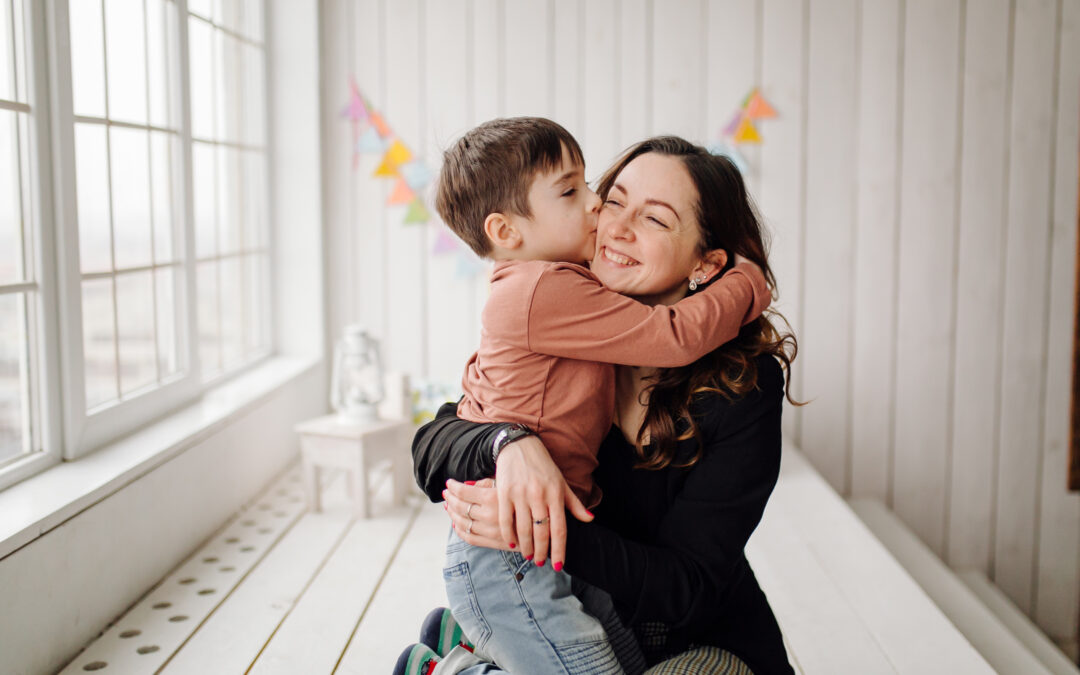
x: 648, y: 241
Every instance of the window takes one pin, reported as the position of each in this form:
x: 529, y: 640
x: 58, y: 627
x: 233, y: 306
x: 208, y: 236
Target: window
x: 155, y: 190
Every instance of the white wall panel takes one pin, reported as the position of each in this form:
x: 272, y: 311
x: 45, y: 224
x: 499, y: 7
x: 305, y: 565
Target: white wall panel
x: 979, y: 296
x: 873, y: 360
x: 1058, y: 574
x: 928, y: 183
x: 919, y: 185
x: 1026, y: 263
x: 830, y: 221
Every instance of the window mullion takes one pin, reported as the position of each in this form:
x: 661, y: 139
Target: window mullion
x: 189, y: 315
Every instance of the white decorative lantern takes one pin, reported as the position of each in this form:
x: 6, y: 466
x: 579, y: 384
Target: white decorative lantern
x: 356, y: 387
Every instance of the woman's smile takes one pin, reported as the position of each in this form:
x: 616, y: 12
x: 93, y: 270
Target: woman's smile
x: 617, y: 258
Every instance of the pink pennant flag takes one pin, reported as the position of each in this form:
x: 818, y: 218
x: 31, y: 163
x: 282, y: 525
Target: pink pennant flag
x: 444, y: 242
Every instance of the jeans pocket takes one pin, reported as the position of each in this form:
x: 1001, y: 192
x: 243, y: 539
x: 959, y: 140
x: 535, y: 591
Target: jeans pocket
x: 464, y: 605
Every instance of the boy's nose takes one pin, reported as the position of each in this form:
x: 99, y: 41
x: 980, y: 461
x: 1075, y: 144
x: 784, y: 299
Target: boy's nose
x: 593, y: 203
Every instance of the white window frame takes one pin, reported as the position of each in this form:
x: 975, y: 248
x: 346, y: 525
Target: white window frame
x: 39, y: 247
x: 71, y: 431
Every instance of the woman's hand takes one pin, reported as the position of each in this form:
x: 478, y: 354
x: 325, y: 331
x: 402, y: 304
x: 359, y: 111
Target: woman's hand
x: 474, y: 510
x: 531, y: 489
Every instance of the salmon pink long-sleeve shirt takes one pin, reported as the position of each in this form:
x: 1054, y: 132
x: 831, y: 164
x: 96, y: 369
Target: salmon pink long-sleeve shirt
x: 551, y: 335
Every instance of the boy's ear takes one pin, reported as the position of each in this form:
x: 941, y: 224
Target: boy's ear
x: 710, y: 264
x: 501, y: 232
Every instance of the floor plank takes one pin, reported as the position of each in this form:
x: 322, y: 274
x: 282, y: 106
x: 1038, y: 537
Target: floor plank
x: 412, y: 587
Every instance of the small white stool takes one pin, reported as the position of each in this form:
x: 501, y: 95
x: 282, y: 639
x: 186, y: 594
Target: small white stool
x: 326, y: 443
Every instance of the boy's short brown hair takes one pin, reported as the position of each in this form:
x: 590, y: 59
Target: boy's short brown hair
x: 490, y: 170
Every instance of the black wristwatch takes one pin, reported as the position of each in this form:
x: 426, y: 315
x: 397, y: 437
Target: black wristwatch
x: 511, y: 433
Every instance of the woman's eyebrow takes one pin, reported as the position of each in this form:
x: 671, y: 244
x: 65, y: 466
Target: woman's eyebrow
x: 654, y: 202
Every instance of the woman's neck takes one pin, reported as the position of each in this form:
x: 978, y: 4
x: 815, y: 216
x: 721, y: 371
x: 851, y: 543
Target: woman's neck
x: 631, y: 401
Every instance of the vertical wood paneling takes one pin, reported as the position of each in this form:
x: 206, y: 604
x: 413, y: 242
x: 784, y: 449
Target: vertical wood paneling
x: 1024, y: 342
x: 677, y: 97
x: 781, y: 193
x: 909, y: 190
x: 928, y: 184
x: 365, y: 245
x: 447, y: 112
x: 979, y: 293
x: 830, y: 221
x: 601, y: 93
x: 731, y: 70
x: 406, y: 250
x: 634, y: 115
x: 336, y: 157
x: 1058, y: 574
x: 527, y: 58
x: 570, y: 67
x: 877, y: 164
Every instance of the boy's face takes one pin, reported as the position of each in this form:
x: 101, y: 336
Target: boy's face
x: 562, y: 227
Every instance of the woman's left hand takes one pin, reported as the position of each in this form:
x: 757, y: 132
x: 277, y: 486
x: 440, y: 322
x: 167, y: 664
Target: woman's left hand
x: 474, y: 510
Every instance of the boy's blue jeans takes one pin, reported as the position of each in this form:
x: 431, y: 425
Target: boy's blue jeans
x: 527, y: 619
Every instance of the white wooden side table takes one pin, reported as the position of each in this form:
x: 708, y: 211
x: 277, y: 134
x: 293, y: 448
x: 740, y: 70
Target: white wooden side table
x: 326, y: 443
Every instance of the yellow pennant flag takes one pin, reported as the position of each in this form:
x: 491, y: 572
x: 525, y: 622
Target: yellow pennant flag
x: 746, y: 133
x: 398, y: 153
x: 386, y: 169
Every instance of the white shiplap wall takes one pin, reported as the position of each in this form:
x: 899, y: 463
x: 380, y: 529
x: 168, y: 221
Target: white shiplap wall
x: 920, y: 184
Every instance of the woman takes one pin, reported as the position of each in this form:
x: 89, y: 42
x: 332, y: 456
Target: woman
x: 688, y: 467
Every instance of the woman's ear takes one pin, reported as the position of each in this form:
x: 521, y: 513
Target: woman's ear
x: 501, y: 232
x: 710, y: 265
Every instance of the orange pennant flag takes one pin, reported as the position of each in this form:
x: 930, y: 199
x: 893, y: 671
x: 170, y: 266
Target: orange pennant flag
x: 746, y: 133
x: 759, y: 108
x: 380, y: 124
x: 387, y: 168
x: 398, y: 153
x: 402, y: 193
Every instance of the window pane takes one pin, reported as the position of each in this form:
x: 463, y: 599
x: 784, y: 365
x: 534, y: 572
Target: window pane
x: 204, y: 8
x: 161, y: 146
x: 230, y: 89
x: 204, y: 172
x: 125, y: 45
x: 131, y: 196
x: 209, y: 324
x: 87, y: 57
x: 200, y: 48
x: 11, y: 250
x: 14, y: 396
x: 256, y: 330
x: 230, y: 196
x: 135, y: 321
x: 232, y: 312
x: 99, y: 349
x: 160, y: 22
x: 168, y: 361
x: 254, y: 105
x: 92, y: 188
x: 253, y: 19
x: 254, y: 215
x: 7, y: 64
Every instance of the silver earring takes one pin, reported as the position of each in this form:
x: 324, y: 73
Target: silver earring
x: 693, y: 284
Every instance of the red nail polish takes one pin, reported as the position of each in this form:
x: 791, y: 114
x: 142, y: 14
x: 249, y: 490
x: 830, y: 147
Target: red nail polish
x: 529, y: 557
x: 590, y: 514
x: 557, y: 566
x: 513, y: 545
x: 470, y: 482
x: 453, y: 526
x: 539, y: 563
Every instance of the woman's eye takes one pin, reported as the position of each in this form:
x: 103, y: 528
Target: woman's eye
x: 657, y: 222
x: 611, y: 202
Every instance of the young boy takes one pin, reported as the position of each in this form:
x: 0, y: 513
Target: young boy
x: 515, y: 191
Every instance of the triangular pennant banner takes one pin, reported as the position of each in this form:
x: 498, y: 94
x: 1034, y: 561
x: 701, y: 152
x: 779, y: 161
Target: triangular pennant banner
x: 746, y: 101
x: 402, y: 194
x: 381, y: 125
x: 444, y: 242
x: 733, y: 125
x: 386, y: 169
x: 759, y: 108
x: 416, y: 175
x: 417, y: 213
x: 370, y: 142
x: 746, y: 133
x: 468, y: 266
x: 398, y: 153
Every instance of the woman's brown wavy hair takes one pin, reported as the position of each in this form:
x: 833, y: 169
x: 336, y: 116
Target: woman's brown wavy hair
x: 727, y: 220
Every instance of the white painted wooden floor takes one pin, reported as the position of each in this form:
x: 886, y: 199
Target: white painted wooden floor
x: 282, y: 590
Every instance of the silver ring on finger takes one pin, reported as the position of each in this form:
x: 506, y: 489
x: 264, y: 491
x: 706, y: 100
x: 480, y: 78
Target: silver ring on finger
x: 468, y: 530
x: 468, y: 511
x: 541, y: 521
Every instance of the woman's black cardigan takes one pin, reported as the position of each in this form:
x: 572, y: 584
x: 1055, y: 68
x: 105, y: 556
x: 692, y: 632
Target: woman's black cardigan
x: 666, y: 544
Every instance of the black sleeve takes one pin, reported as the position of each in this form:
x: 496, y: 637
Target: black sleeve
x: 450, y: 447
x: 682, y: 575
